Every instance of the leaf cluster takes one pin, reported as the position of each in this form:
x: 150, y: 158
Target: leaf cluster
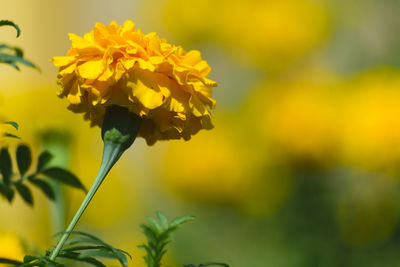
x: 13, y: 55
x: 13, y: 124
x: 82, y: 247
x: 158, y: 235
x: 9, y: 183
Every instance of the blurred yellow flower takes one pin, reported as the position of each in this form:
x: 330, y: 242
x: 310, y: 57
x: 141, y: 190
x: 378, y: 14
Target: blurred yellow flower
x: 217, y: 174
x: 217, y: 168
x: 118, y: 65
x: 10, y: 246
x: 370, y: 133
x: 274, y: 33
x: 298, y: 115
x: 353, y: 122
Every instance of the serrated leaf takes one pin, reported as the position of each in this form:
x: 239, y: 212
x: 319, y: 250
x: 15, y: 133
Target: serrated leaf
x: 12, y: 123
x: 149, y: 253
x: 105, y: 254
x: 181, y: 220
x: 7, y: 192
x: 5, y: 165
x: 98, y: 240
x: 63, y: 176
x: 159, y: 236
x: 88, y: 238
x: 78, y: 248
x: 28, y: 258
x: 12, y: 24
x: 44, y: 159
x: 16, y: 50
x: 93, y: 238
x: 44, y: 186
x: 24, y: 158
x: 10, y: 261
x: 12, y: 64
x: 11, y: 135
x: 154, y: 225
x: 81, y: 239
x: 149, y: 233
x: 13, y: 59
x: 75, y: 256
x: 25, y: 193
x: 213, y: 264
x: 163, y: 220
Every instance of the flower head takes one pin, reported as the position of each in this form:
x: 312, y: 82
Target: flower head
x: 119, y: 65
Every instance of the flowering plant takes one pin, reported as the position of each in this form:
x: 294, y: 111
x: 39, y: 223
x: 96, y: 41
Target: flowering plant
x: 131, y: 85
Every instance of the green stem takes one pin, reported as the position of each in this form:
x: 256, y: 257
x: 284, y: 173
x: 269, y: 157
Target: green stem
x: 119, y: 130
x: 111, y: 153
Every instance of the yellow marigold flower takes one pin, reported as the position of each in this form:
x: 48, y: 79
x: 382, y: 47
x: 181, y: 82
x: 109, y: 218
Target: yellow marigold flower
x: 119, y: 65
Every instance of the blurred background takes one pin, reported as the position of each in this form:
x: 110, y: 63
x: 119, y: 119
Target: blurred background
x: 302, y: 168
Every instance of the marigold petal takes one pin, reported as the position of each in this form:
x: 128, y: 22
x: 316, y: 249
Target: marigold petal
x: 75, y: 93
x: 197, y: 107
x: 203, y: 68
x: 145, y: 89
x: 91, y: 69
x: 63, y: 61
x: 192, y: 58
x: 128, y: 26
x: 83, y: 46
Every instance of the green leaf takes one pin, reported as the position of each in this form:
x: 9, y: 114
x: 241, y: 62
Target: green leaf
x: 11, y: 135
x: 88, y: 238
x: 13, y: 123
x: 16, y: 50
x: 81, y: 239
x: 63, y: 176
x: 10, y: 261
x: 154, y: 225
x: 181, y: 220
x: 158, y: 237
x: 163, y: 220
x: 25, y: 193
x: 149, y: 233
x: 75, y: 256
x: 44, y: 186
x: 5, y: 165
x: 213, y: 264
x: 43, y: 160
x: 28, y: 258
x: 102, y: 253
x: 78, y: 248
x: 99, y: 241
x: 24, y: 158
x: 7, y: 192
x: 42, y: 261
x: 10, y: 23
x: 14, y: 59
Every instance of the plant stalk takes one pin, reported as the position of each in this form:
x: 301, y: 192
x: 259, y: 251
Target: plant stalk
x: 111, y: 153
x: 119, y: 130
